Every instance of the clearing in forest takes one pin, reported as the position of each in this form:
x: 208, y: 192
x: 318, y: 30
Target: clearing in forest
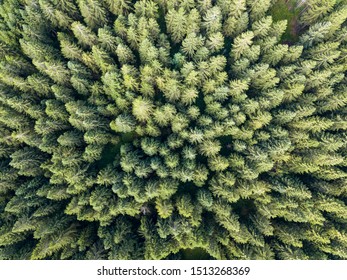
x: 288, y: 10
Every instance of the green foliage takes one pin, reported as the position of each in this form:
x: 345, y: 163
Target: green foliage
x: 145, y: 129
x: 289, y: 11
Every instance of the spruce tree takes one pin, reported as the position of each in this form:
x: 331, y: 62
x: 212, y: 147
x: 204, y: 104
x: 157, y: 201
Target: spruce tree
x: 138, y: 129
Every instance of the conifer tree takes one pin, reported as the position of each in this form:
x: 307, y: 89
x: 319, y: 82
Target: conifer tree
x: 140, y: 129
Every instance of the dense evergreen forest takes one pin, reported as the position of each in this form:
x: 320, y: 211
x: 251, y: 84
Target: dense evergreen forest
x: 152, y: 129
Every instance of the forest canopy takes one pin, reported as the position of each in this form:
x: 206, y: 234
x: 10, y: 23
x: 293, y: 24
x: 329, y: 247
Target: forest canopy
x: 139, y: 129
